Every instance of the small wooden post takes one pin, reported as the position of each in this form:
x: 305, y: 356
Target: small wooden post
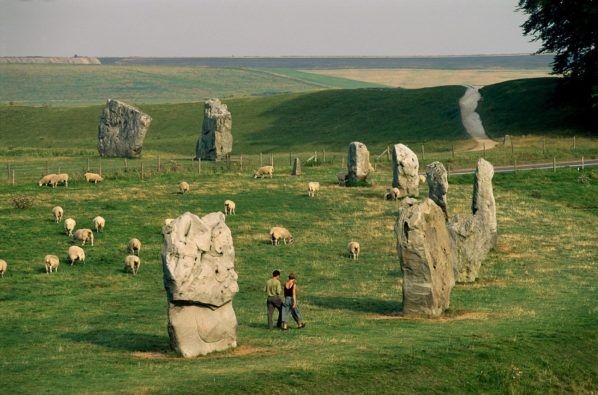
x: 271, y: 159
x: 8, y: 171
x: 87, y: 164
x: 290, y: 159
x: 47, y: 167
x: 388, y: 153
x: 100, y: 166
x: 58, y: 169
x: 261, y: 160
x: 453, y: 150
x: 512, y: 148
x: 141, y: 174
x: 241, y: 162
x: 514, y: 166
x: 343, y: 162
x: 315, y: 156
x: 554, y: 164
x: 13, y: 177
x: 544, y: 146
x: 323, y: 155
x: 126, y: 166
x: 423, y: 152
x: 583, y: 165
x: 159, y: 164
x: 484, y: 148
x: 573, y: 142
x: 198, y: 166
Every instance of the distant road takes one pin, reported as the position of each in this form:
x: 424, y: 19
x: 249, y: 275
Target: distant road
x: 532, y: 166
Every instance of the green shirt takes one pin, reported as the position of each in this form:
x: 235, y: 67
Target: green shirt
x: 273, y: 287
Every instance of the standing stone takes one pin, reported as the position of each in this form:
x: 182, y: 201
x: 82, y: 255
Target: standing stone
x: 358, y: 163
x: 405, y: 168
x: 482, y: 202
x: 296, y: 167
x: 427, y: 258
x: 122, y: 130
x: 216, y: 140
x: 198, y: 260
x: 437, y: 180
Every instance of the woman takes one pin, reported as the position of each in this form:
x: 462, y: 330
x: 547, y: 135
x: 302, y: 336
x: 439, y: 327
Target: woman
x: 290, y: 303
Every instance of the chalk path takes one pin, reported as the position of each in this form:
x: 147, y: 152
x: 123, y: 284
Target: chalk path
x: 471, y: 119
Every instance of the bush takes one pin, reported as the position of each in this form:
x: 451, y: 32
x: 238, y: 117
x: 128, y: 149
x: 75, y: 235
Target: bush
x: 22, y: 201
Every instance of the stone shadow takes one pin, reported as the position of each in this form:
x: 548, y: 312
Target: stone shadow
x: 122, y: 340
x: 361, y: 305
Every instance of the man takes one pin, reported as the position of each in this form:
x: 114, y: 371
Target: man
x: 274, y: 294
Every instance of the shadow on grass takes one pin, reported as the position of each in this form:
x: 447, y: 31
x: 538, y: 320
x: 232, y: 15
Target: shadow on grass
x: 122, y: 340
x: 362, y: 305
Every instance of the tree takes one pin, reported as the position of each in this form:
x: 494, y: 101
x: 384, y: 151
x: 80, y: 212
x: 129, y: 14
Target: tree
x: 569, y: 29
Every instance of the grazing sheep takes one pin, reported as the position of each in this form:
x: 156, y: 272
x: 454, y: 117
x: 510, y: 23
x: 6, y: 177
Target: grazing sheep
x: 134, y: 246
x: 183, y: 187
x: 264, y: 171
x: 132, y: 262
x: 93, y: 177
x: 354, y: 248
x: 69, y: 226
x: 84, y: 235
x: 422, y: 179
x: 392, y: 194
x: 277, y: 233
x: 3, y: 267
x: 168, y: 221
x: 51, y: 262
x: 58, y: 212
x: 341, y: 177
x: 76, y: 253
x: 313, y: 188
x: 61, y: 178
x: 99, y: 223
x: 46, y: 180
x: 229, y: 207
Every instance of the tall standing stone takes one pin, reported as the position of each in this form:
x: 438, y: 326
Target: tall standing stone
x: 296, y: 167
x: 405, y: 168
x: 122, y: 130
x: 200, y: 280
x: 427, y: 258
x: 216, y: 140
x: 437, y: 180
x: 358, y: 163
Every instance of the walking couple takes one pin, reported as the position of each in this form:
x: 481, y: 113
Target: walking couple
x: 275, y: 291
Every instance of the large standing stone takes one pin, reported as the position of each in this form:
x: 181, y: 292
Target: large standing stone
x: 405, y: 168
x: 427, y: 258
x: 200, y: 280
x: 437, y: 180
x: 475, y: 235
x: 216, y: 140
x: 296, y: 167
x: 358, y: 163
x: 122, y: 130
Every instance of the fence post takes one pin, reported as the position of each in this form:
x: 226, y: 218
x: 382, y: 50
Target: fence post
x: 582, y: 163
x: 241, y: 162
x: 453, y: 150
x: 554, y: 164
x: 323, y: 155
x: 343, y: 162
x: 423, y: 152
x: 573, y: 142
x: 141, y: 170
x: 87, y: 164
x: 13, y: 177
x: 159, y: 163
x: 315, y: 156
x: 544, y: 146
x: 261, y: 160
x: 388, y: 153
x: 512, y: 148
x: 290, y: 159
x: 126, y: 166
x: 8, y: 171
x: 514, y: 166
x: 47, y: 168
x: 271, y: 159
x: 100, y: 166
x: 198, y: 166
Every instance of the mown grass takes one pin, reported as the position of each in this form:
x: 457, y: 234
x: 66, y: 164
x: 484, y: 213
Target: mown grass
x: 527, y: 325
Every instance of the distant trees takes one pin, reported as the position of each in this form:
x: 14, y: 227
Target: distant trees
x: 569, y: 29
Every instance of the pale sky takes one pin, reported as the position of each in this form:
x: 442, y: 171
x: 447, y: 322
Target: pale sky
x: 202, y: 28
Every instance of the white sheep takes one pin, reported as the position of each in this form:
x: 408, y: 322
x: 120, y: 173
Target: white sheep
x: 99, y: 223
x: 168, y: 221
x: 354, y: 248
x: 51, y: 262
x: 3, y: 267
x: 264, y: 171
x: 392, y: 193
x: 134, y: 246
x: 93, y: 177
x: 313, y: 188
x: 69, y: 226
x: 132, y: 262
x: 46, y: 180
x: 76, y: 253
x: 58, y: 212
x: 183, y: 187
x: 229, y: 207
x: 61, y: 178
x: 422, y: 179
x: 84, y: 235
x: 277, y: 233
x: 341, y: 177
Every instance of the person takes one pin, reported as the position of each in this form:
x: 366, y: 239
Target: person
x: 273, y: 298
x: 290, y: 303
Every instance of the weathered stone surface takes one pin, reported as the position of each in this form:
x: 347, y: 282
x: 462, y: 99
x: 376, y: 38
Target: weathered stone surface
x: 358, y: 162
x: 296, y: 167
x: 475, y: 235
x: 200, y: 282
x: 122, y: 130
x: 405, y: 168
x: 216, y: 139
x: 437, y: 180
x: 427, y: 258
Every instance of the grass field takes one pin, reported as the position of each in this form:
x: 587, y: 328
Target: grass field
x: 527, y: 325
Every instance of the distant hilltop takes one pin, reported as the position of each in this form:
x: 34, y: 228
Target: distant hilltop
x: 54, y: 60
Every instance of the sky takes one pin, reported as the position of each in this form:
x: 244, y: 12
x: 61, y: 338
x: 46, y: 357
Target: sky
x: 204, y: 28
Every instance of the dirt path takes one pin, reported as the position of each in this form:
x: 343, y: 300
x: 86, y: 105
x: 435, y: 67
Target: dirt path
x: 471, y: 119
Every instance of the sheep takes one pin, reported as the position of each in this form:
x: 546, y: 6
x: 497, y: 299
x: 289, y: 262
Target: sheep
x: 99, y: 223
x: 422, y: 179
x: 354, y: 248
x: 168, y: 221
x: 341, y: 177
x: 76, y: 253
x: 132, y: 262
x: 313, y: 188
x: 134, y: 246
x: 51, y: 262
x: 229, y: 207
x: 183, y: 187
x: 3, y: 267
x: 392, y: 193
x: 93, y: 177
x: 69, y: 226
x: 58, y: 212
x: 46, y: 180
x: 84, y: 235
x: 61, y: 178
x: 264, y: 171
x: 277, y: 233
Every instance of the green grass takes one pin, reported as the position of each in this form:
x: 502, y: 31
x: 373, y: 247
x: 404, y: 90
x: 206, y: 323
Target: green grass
x: 528, y: 325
